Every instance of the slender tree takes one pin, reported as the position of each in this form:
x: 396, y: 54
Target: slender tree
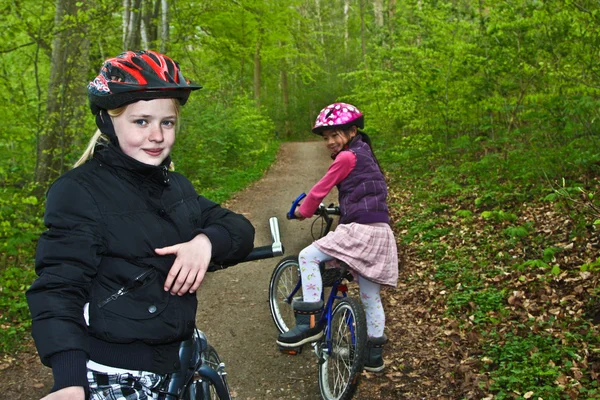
x: 164, y: 25
x: 66, y: 95
x: 132, y: 24
x: 378, y: 11
x: 257, y: 68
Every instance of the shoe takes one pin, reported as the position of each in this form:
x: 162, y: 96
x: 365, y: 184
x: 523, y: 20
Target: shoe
x: 374, y: 361
x: 308, y: 328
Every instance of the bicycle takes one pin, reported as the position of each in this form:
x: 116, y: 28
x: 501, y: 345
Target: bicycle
x: 342, y: 349
x: 202, y: 374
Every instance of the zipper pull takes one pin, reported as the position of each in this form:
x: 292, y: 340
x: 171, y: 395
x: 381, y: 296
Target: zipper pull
x: 112, y: 297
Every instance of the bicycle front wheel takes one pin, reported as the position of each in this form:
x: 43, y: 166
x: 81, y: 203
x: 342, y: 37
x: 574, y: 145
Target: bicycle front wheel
x: 284, y: 287
x: 210, y: 381
x: 342, y: 354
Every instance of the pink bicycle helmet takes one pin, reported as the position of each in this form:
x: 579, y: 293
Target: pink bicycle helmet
x: 138, y: 75
x: 338, y: 115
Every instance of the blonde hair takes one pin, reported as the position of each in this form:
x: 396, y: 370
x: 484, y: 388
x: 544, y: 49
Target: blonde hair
x: 99, y: 137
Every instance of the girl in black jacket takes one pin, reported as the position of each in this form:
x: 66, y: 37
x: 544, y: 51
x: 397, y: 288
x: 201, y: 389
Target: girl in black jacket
x: 128, y: 242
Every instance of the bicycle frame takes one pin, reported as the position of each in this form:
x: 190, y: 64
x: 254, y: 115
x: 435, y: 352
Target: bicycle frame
x: 327, y: 312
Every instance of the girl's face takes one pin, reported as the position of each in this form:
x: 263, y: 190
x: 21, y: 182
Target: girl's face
x: 146, y: 130
x: 336, y: 139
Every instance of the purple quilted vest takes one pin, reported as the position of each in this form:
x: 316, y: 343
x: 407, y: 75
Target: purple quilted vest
x: 362, y: 195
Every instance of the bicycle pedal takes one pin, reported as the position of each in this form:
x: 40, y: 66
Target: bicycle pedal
x: 293, y: 351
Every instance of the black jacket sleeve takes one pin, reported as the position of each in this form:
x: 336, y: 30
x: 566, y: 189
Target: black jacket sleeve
x: 66, y: 261
x: 231, y: 234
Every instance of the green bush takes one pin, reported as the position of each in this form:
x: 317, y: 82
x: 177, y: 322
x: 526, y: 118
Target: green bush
x: 233, y: 146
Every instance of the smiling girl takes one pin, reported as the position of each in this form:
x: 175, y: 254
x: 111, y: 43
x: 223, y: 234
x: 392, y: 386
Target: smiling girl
x: 363, y: 239
x: 128, y: 242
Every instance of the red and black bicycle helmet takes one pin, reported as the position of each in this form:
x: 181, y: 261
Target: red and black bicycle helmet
x: 138, y: 75
x: 338, y: 116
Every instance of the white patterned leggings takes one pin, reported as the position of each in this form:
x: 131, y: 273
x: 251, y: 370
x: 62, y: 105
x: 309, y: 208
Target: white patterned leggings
x: 312, y: 286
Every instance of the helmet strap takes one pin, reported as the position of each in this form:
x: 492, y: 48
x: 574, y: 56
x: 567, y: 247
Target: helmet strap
x: 104, y: 123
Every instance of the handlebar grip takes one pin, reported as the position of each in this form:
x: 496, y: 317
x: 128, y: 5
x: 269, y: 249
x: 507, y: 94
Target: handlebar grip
x: 290, y: 214
x: 259, y: 253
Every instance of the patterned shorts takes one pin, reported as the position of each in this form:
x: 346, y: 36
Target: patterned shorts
x: 123, y: 386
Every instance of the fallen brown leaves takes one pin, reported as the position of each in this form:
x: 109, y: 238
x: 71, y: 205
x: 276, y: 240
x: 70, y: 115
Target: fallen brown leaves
x: 430, y: 356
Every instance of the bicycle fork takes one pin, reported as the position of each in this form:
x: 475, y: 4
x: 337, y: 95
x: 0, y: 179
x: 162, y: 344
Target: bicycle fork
x: 325, y: 348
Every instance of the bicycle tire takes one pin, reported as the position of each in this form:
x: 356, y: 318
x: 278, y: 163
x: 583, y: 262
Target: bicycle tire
x: 284, y: 279
x: 211, y: 358
x: 339, y: 372
x: 203, y: 388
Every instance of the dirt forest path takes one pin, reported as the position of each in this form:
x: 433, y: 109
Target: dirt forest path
x: 233, y: 304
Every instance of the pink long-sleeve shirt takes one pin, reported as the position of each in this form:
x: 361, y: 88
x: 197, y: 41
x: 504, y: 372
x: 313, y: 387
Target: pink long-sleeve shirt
x: 343, y: 164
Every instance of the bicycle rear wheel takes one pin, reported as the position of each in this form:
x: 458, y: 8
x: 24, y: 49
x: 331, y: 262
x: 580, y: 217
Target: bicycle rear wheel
x: 283, y: 288
x: 341, y: 360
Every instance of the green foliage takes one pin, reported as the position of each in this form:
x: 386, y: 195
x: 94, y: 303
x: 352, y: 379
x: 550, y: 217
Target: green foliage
x: 479, y: 103
x: 466, y: 214
x: 535, y: 264
x: 424, y: 230
x: 231, y: 147
x: 478, y: 303
x: 20, y: 223
x: 15, y: 320
x: 550, y: 253
x: 593, y: 266
x: 529, y: 363
x: 453, y: 273
x: 517, y: 232
x: 20, y: 226
x: 499, y: 216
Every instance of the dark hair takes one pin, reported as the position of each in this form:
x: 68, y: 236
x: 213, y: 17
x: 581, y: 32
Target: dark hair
x: 365, y: 138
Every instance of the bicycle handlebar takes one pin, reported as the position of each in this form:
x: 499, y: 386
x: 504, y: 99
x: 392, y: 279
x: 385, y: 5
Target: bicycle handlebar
x: 258, y: 253
x: 331, y: 210
x: 322, y: 210
x: 291, y: 214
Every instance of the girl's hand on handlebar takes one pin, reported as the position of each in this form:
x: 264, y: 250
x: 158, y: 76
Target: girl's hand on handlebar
x: 68, y: 393
x: 298, y: 216
x: 190, y: 265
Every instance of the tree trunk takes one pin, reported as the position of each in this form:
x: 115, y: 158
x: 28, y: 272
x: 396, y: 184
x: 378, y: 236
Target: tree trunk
x: 132, y: 39
x: 67, y: 100
x: 150, y: 24
x: 164, y: 26
x: 320, y: 19
x: 144, y: 33
x: 362, y: 30
x: 286, y: 95
x: 391, y: 20
x: 125, y: 19
x: 346, y: 21
x: 257, y: 68
x: 378, y: 11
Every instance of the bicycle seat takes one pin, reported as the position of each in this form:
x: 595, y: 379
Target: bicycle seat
x: 332, y: 275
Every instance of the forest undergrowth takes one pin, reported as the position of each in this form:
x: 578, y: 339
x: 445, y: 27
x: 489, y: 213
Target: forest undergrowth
x: 494, y: 302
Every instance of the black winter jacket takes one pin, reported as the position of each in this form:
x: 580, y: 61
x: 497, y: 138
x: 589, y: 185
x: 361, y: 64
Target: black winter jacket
x: 104, y: 220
